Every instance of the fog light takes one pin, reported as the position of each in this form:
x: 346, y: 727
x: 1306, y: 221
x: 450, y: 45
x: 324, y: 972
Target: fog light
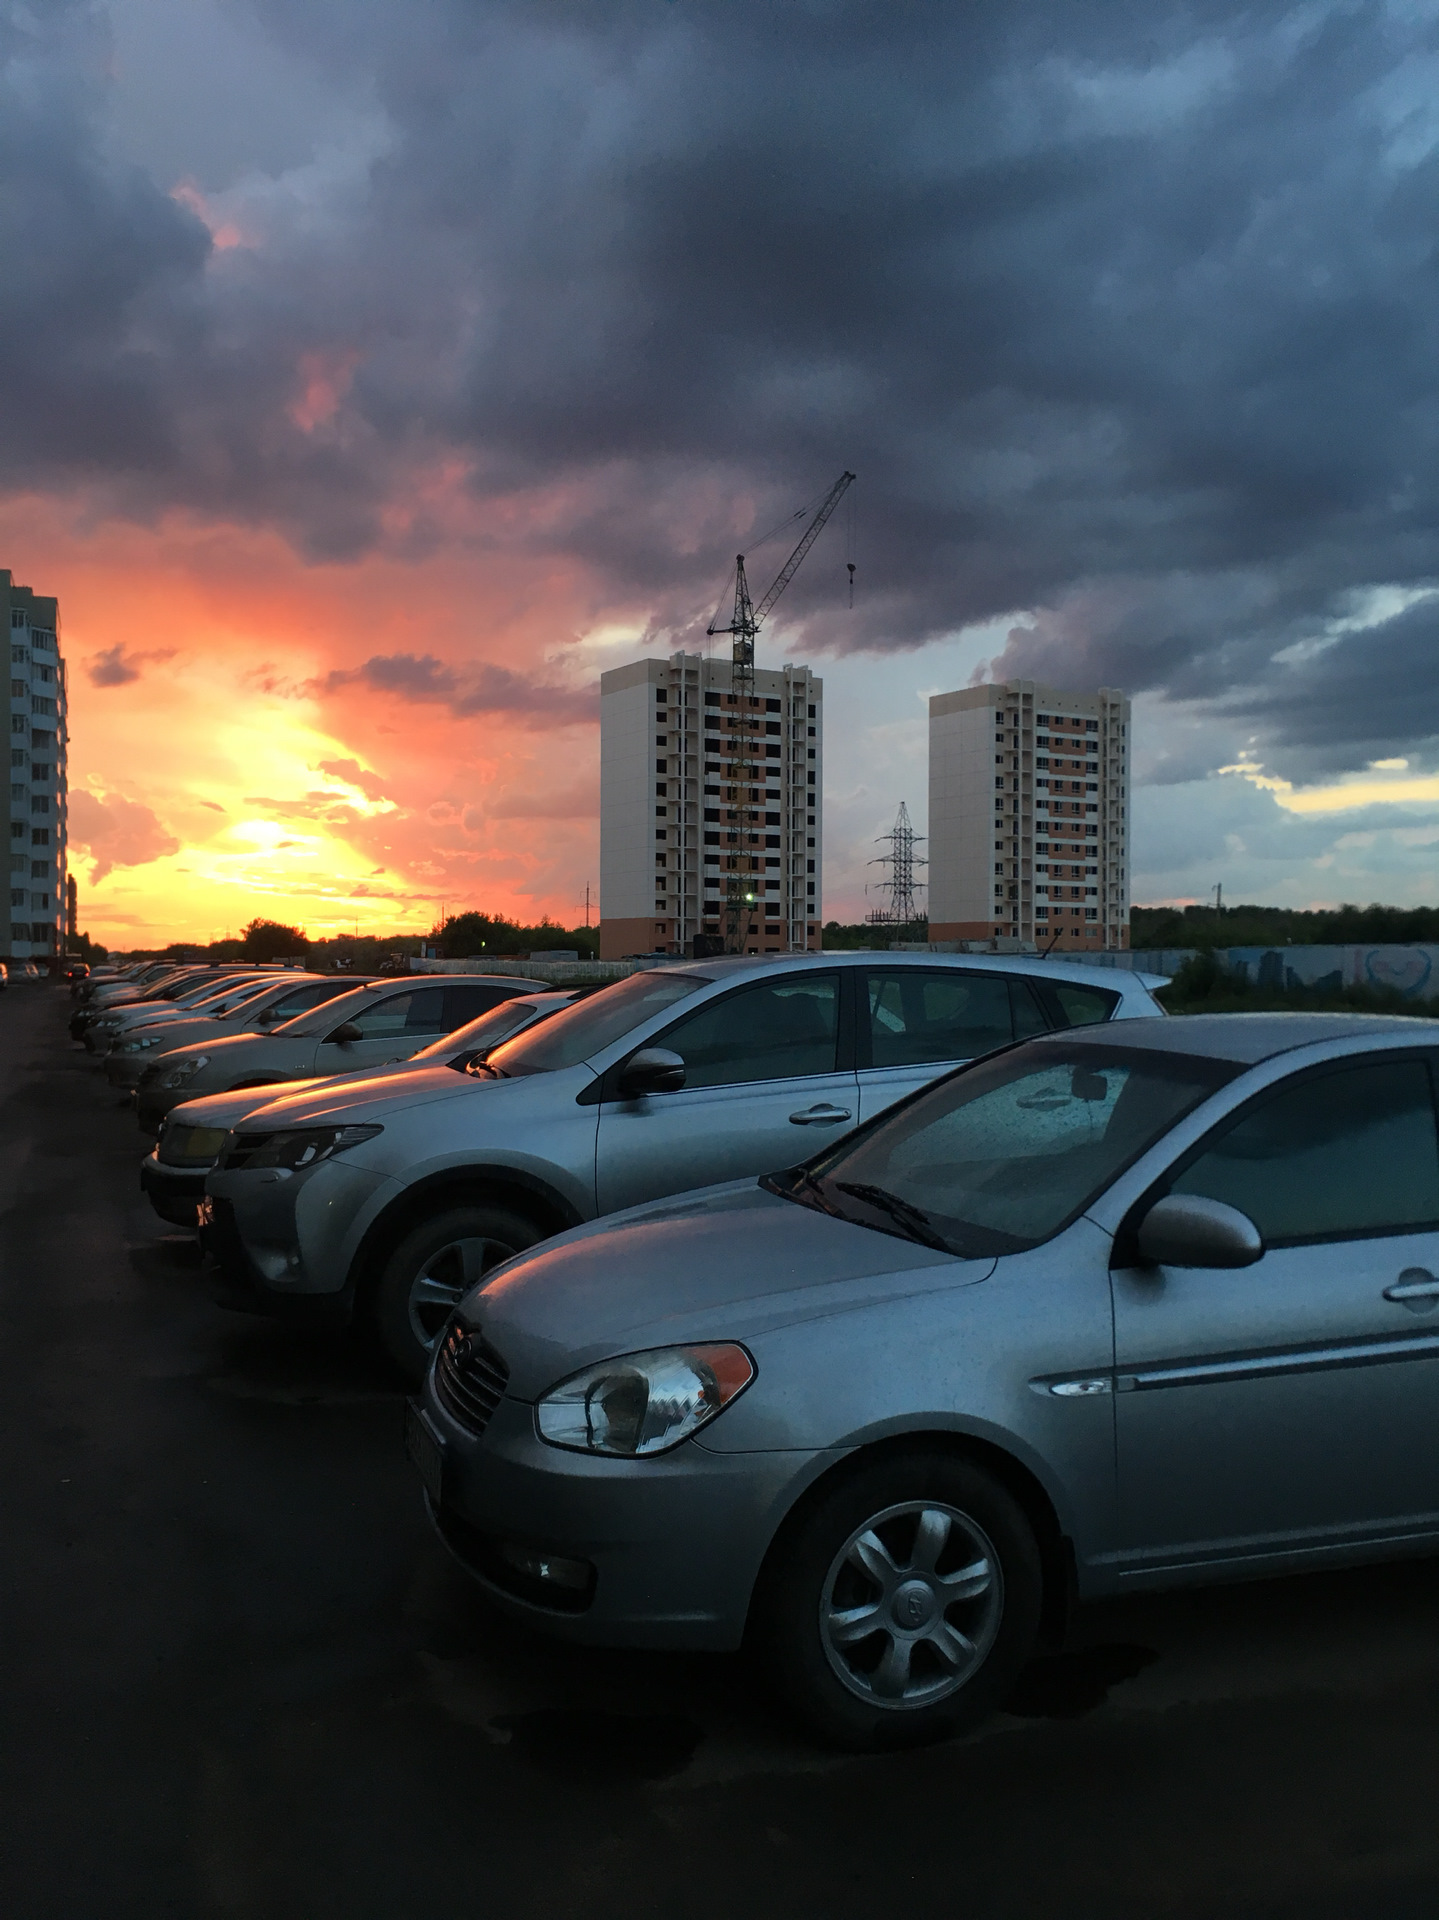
x: 551, y: 1569
x: 278, y: 1263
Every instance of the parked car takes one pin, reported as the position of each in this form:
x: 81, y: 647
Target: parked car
x: 200, y: 998
x: 76, y: 970
x: 192, y: 1135
x: 25, y: 971
x: 1127, y: 1308
x: 365, y: 1027
x: 254, y: 1007
x: 169, y: 985
x: 393, y: 1199
x: 4, y: 976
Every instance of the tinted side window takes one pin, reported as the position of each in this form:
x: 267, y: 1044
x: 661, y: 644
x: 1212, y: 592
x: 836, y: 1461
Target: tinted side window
x: 386, y: 1018
x: 426, y: 1011
x: 467, y: 1002
x: 1028, y: 1014
x: 774, y: 1030
x: 1343, y: 1153
x: 301, y: 1000
x: 916, y: 1017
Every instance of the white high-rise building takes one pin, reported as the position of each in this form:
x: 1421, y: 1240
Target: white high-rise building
x: 710, y: 814
x: 1029, y: 816
x: 34, y: 927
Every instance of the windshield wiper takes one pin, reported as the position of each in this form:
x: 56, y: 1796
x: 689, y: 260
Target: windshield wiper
x: 804, y: 1189
x: 913, y: 1220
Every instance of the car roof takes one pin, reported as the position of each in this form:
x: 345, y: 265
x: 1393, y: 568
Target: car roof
x: 517, y: 981
x: 1079, y: 972
x: 1244, y: 1038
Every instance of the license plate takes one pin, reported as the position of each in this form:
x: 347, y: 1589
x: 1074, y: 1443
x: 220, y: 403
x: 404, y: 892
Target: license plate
x: 426, y: 1450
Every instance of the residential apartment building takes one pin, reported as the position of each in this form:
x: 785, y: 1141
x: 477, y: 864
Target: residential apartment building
x: 1029, y: 816
x: 35, y: 910
x: 711, y: 822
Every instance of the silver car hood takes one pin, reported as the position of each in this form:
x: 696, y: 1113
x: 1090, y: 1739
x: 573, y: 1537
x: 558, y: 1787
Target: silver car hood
x: 727, y: 1263
x: 224, y: 1109
x: 323, y: 1102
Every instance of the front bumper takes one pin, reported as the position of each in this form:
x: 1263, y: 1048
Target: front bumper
x: 676, y: 1542
x: 175, y: 1192
x: 239, y: 1283
x: 124, y: 1069
x: 152, y: 1102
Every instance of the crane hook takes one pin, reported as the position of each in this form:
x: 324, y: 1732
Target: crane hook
x: 850, y: 565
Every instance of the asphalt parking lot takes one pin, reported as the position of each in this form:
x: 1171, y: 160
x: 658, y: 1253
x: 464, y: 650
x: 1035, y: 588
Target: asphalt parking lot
x: 242, y: 1678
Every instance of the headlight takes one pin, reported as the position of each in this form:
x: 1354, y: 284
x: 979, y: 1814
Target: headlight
x: 136, y: 1044
x: 644, y: 1402
x: 304, y: 1147
x: 184, y: 1071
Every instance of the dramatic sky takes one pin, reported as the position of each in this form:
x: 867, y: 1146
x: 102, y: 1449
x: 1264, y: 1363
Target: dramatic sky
x: 373, y: 373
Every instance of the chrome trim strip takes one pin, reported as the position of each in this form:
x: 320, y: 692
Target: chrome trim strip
x: 1260, y: 1366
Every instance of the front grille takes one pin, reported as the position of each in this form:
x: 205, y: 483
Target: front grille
x: 470, y: 1379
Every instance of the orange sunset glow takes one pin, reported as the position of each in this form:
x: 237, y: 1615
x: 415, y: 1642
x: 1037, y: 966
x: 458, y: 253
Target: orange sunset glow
x: 223, y: 765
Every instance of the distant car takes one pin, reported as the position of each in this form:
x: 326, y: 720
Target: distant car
x: 390, y: 1199
x: 4, y: 976
x: 365, y: 1027
x: 170, y: 984
x: 200, y: 999
x: 1127, y: 1307
x: 250, y: 1006
x: 192, y: 1135
x: 76, y: 970
x: 25, y: 970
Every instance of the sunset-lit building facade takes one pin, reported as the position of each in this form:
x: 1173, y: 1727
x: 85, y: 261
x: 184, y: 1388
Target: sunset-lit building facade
x: 694, y: 790
x: 35, y: 904
x: 1029, y: 816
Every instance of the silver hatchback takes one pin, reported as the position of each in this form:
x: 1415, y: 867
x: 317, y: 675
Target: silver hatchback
x: 1115, y: 1308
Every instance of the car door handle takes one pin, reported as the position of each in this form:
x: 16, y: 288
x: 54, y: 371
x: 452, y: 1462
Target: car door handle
x: 1416, y: 1288
x: 824, y: 1115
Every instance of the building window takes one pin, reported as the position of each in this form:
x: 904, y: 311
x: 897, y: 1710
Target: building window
x: 39, y: 836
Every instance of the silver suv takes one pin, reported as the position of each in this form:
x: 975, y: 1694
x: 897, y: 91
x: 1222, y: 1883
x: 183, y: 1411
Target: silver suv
x: 394, y: 1199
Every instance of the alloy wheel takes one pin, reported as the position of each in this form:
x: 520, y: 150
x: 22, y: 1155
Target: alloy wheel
x: 911, y: 1605
x: 445, y: 1277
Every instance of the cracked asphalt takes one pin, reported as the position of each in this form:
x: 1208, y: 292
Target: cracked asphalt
x: 241, y: 1678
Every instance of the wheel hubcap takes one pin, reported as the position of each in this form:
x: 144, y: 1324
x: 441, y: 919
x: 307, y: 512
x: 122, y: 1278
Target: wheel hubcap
x: 911, y: 1605
x: 445, y: 1278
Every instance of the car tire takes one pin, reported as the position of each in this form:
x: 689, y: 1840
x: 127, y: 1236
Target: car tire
x: 425, y: 1276
x: 943, y: 1560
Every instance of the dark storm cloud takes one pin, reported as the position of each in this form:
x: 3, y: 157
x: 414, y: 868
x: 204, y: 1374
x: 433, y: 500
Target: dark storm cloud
x: 1125, y: 314
x: 485, y: 689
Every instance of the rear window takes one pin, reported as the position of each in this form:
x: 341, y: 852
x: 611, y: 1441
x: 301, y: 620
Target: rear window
x: 1073, y: 1005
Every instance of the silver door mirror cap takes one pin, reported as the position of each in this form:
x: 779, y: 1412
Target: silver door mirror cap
x: 651, y: 1070
x: 1186, y: 1230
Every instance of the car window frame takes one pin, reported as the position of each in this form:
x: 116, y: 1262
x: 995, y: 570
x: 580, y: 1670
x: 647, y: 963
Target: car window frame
x: 606, y: 1088
x: 1125, y: 1250
x: 864, y: 1038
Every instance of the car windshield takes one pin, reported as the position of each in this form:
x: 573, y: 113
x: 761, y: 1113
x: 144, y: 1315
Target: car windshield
x: 1001, y: 1155
x: 591, y: 1025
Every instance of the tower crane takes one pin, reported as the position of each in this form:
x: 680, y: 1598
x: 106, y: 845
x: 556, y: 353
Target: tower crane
x: 743, y: 625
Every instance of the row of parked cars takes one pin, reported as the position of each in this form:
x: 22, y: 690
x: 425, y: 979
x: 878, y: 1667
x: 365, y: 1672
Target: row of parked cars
x: 871, y: 1306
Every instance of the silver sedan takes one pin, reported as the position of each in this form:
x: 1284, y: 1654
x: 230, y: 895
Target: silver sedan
x: 1114, y: 1308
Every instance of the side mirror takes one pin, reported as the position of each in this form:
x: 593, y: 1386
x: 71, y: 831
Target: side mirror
x: 651, y: 1070
x: 1186, y: 1230
x: 343, y: 1035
